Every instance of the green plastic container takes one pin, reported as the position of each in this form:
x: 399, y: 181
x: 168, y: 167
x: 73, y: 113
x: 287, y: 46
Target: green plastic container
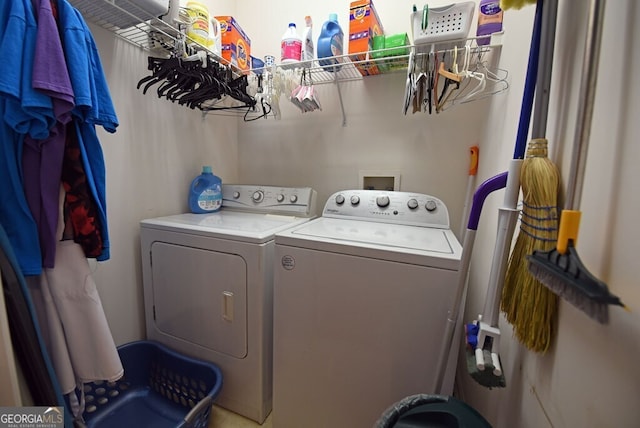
x: 393, y: 45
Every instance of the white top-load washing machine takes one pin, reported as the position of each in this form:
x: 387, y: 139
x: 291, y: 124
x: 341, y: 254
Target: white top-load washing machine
x: 361, y: 302
x: 208, y: 284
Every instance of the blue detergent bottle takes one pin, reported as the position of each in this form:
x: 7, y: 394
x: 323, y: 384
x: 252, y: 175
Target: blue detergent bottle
x: 205, y: 195
x: 330, y: 44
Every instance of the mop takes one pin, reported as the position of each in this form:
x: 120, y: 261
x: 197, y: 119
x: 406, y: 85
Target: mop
x: 491, y: 185
x: 561, y: 269
x: 483, y: 335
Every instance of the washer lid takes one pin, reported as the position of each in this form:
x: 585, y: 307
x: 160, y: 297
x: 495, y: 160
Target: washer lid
x: 397, y: 236
x: 253, y: 227
x: 409, y: 244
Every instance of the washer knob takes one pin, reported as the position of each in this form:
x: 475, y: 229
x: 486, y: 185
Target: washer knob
x: 280, y: 197
x: 430, y: 205
x: 412, y: 204
x: 355, y: 200
x: 236, y: 194
x: 383, y: 201
x: 257, y: 196
x: 293, y: 198
x: 339, y: 199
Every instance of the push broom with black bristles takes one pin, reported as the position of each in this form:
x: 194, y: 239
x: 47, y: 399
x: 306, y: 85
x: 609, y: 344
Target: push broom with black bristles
x: 561, y: 269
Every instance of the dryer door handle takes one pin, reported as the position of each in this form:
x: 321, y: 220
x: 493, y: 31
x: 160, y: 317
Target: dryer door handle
x: 227, y: 306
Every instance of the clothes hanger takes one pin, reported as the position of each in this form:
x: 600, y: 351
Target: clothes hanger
x: 448, y: 74
x: 199, y: 81
x: 191, y: 74
x: 212, y: 88
x: 161, y: 69
x: 451, y: 81
x: 491, y: 83
x: 409, y: 82
x: 431, y: 64
x: 266, y: 110
x: 420, y: 86
x: 471, y: 75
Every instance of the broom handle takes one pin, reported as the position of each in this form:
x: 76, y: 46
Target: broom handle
x: 545, y: 67
x: 585, y: 107
x: 529, y: 85
x: 507, y: 219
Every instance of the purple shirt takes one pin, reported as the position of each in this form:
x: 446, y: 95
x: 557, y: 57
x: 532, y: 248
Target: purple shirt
x: 42, y: 158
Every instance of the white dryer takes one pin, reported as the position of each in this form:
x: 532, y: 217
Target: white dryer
x: 361, y: 299
x: 208, y: 284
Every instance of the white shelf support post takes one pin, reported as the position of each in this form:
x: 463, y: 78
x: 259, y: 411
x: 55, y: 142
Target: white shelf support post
x: 344, y: 116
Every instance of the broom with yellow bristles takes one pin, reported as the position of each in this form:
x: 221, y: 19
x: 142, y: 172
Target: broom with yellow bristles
x: 527, y: 304
x: 514, y: 4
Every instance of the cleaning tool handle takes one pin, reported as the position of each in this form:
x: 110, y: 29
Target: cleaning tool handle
x: 479, y: 358
x: 529, y: 86
x: 495, y: 360
x: 585, y: 108
x: 474, y: 152
x: 454, y: 312
x: 568, y: 230
x: 513, y: 184
x: 490, y: 185
x: 507, y: 219
x: 545, y: 68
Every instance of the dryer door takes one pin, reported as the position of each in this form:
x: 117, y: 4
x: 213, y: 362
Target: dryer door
x: 200, y: 296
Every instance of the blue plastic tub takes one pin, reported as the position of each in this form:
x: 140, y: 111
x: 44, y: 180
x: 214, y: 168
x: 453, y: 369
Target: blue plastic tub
x: 160, y: 388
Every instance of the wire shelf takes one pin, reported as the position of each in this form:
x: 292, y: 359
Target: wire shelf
x: 149, y: 32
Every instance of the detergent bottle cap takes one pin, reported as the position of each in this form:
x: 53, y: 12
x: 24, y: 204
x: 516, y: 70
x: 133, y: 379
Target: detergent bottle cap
x: 206, y: 169
x: 292, y: 24
x: 333, y: 17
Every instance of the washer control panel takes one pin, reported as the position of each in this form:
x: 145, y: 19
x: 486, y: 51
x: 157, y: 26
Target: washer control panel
x: 299, y: 201
x: 414, y: 209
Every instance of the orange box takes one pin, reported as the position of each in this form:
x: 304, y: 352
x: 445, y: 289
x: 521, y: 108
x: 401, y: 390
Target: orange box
x: 236, y: 45
x: 364, y: 24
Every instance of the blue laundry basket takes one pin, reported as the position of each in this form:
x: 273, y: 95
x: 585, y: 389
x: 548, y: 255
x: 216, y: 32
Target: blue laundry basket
x: 160, y: 388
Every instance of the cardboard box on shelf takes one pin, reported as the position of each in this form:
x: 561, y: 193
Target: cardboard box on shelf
x: 236, y: 45
x: 364, y: 25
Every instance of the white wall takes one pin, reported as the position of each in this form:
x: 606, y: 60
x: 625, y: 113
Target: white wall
x: 157, y: 150
x: 589, y: 377
x: 430, y: 151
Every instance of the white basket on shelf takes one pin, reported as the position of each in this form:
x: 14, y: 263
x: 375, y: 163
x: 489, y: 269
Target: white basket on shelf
x: 442, y: 25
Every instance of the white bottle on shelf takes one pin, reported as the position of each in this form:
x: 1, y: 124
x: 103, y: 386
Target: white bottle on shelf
x: 291, y: 46
x: 308, y: 48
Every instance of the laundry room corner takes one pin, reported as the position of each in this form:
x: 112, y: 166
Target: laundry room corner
x: 316, y: 296
x: 152, y: 157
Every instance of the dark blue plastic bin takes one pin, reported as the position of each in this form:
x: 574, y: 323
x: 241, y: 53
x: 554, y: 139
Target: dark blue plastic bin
x: 160, y: 388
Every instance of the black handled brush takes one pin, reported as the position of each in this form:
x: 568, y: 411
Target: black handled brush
x: 566, y: 275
